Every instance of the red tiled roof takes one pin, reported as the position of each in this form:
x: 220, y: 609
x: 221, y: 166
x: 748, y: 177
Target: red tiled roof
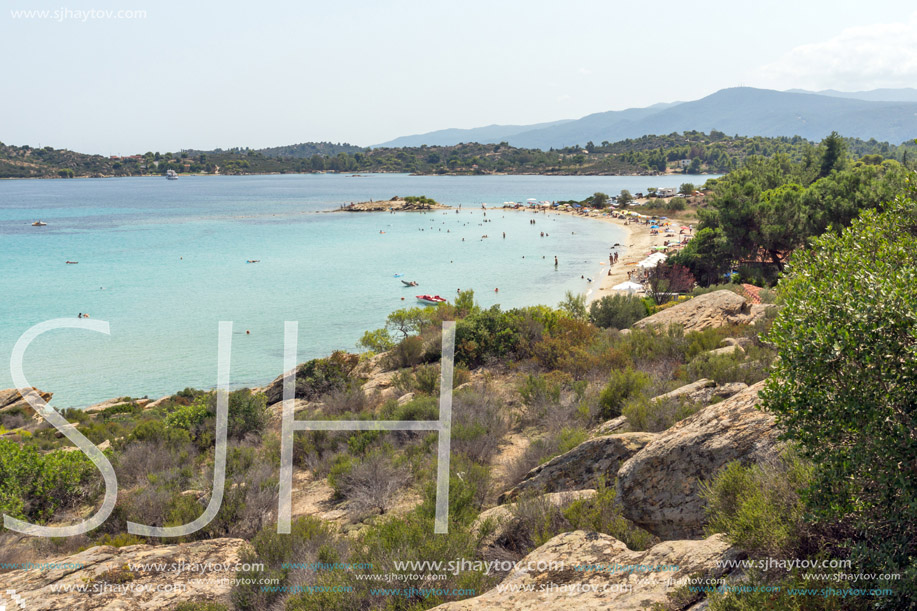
x: 752, y: 292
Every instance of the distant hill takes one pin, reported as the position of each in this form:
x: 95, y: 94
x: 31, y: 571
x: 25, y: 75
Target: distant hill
x: 490, y: 134
x: 308, y: 149
x: 907, y: 94
x: 742, y: 110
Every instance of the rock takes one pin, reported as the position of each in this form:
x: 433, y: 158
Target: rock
x: 405, y: 398
x: 98, y: 407
x: 105, y: 569
x: 659, y: 487
x: 158, y: 402
x: 742, y: 342
x: 577, y: 570
x: 611, y: 426
x: 501, y: 516
x: 716, y: 309
x: 725, y: 351
x: 702, y: 391
x: 11, y: 399
x: 581, y: 467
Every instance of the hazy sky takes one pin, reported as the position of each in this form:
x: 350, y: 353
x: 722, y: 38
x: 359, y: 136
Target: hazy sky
x: 205, y: 75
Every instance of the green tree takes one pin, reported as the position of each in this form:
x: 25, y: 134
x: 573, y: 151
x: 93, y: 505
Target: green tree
x: 844, y: 385
x: 686, y: 189
x: 834, y: 155
x: 625, y: 198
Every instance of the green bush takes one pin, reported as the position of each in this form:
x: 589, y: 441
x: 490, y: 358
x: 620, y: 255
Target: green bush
x: 759, y: 507
x: 33, y: 486
x: 843, y: 385
x: 652, y: 415
x: 622, y: 385
x: 618, y: 311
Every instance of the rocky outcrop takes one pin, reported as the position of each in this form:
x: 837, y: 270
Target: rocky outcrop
x: 659, y: 487
x: 703, y: 391
x: 716, y: 309
x: 109, y: 582
x: 615, y: 425
x: 581, y: 467
x: 100, y: 407
x: 586, y: 570
x: 12, y: 400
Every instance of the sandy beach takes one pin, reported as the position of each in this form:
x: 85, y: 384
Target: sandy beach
x: 637, y: 245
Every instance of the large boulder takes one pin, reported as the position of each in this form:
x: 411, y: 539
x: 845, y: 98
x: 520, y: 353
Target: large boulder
x: 581, y: 467
x: 659, y: 487
x: 586, y: 570
x: 716, y: 309
x: 126, y: 578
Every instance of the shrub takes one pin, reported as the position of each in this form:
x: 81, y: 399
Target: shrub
x: 407, y: 353
x: 427, y: 379
x: 621, y: 386
x: 655, y: 415
x: 33, y: 486
x: 618, y: 311
x: 843, y: 385
x: 478, y: 424
x: 758, y: 506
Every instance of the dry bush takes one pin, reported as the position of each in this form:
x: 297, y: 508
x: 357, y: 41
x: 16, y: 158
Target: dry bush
x: 478, y: 424
x: 373, y: 485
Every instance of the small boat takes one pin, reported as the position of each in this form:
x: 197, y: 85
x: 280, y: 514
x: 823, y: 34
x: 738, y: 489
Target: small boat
x: 39, y: 224
x: 398, y: 275
x: 72, y: 262
x: 171, y: 175
x: 430, y: 299
x: 411, y: 283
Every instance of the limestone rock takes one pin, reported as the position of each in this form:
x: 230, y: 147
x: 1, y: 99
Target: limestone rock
x: 702, y: 391
x: 726, y: 351
x: 659, y: 487
x: 105, y: 569
x: 716, y: 309
x: 615, y: 425
x: 11, y: 399
x: 576, y: 570
x: 98, y: 407
x: 581, y: 467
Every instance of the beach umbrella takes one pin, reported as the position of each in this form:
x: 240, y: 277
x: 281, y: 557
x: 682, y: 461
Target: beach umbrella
x: 654, y: 226
x: 627, y: 286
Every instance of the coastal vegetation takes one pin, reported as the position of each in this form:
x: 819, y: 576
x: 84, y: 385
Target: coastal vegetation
x: 761, y: 213
x: 835, y: 232
x: 690, y: 152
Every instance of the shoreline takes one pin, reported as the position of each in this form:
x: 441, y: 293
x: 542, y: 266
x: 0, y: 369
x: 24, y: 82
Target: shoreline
x: 637, y: 244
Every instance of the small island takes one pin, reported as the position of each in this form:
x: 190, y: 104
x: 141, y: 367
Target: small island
x: 410, y: 203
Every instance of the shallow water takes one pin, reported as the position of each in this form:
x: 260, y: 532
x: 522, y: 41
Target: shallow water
x: 164, y: 261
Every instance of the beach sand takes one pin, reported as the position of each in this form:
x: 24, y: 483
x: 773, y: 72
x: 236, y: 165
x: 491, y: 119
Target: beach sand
x: 635, y: 247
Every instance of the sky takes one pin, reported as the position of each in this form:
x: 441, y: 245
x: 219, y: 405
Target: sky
x: 136, y: 76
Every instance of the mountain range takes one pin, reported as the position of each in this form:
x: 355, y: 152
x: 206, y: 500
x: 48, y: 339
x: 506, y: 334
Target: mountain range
x: 884, y: 114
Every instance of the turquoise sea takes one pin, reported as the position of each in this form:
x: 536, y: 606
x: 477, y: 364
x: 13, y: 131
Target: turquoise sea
x: 164, y: 261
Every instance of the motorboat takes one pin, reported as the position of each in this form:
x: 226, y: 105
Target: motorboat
x: 171, y: 175
x: 39, y: 224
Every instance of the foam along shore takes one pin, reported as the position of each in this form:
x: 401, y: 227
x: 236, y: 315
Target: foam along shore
x: 639, y: 243
x: 396, y: 204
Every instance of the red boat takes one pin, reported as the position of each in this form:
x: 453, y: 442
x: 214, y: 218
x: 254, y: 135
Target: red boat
x: 430, y: 299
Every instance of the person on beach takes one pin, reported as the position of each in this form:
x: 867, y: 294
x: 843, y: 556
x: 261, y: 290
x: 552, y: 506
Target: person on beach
x: 555, y: 260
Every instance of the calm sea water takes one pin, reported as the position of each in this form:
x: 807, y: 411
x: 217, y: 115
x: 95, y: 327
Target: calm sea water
x: 164, y: 261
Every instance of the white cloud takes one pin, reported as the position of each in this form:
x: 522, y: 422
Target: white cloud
x: 864, y: 57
